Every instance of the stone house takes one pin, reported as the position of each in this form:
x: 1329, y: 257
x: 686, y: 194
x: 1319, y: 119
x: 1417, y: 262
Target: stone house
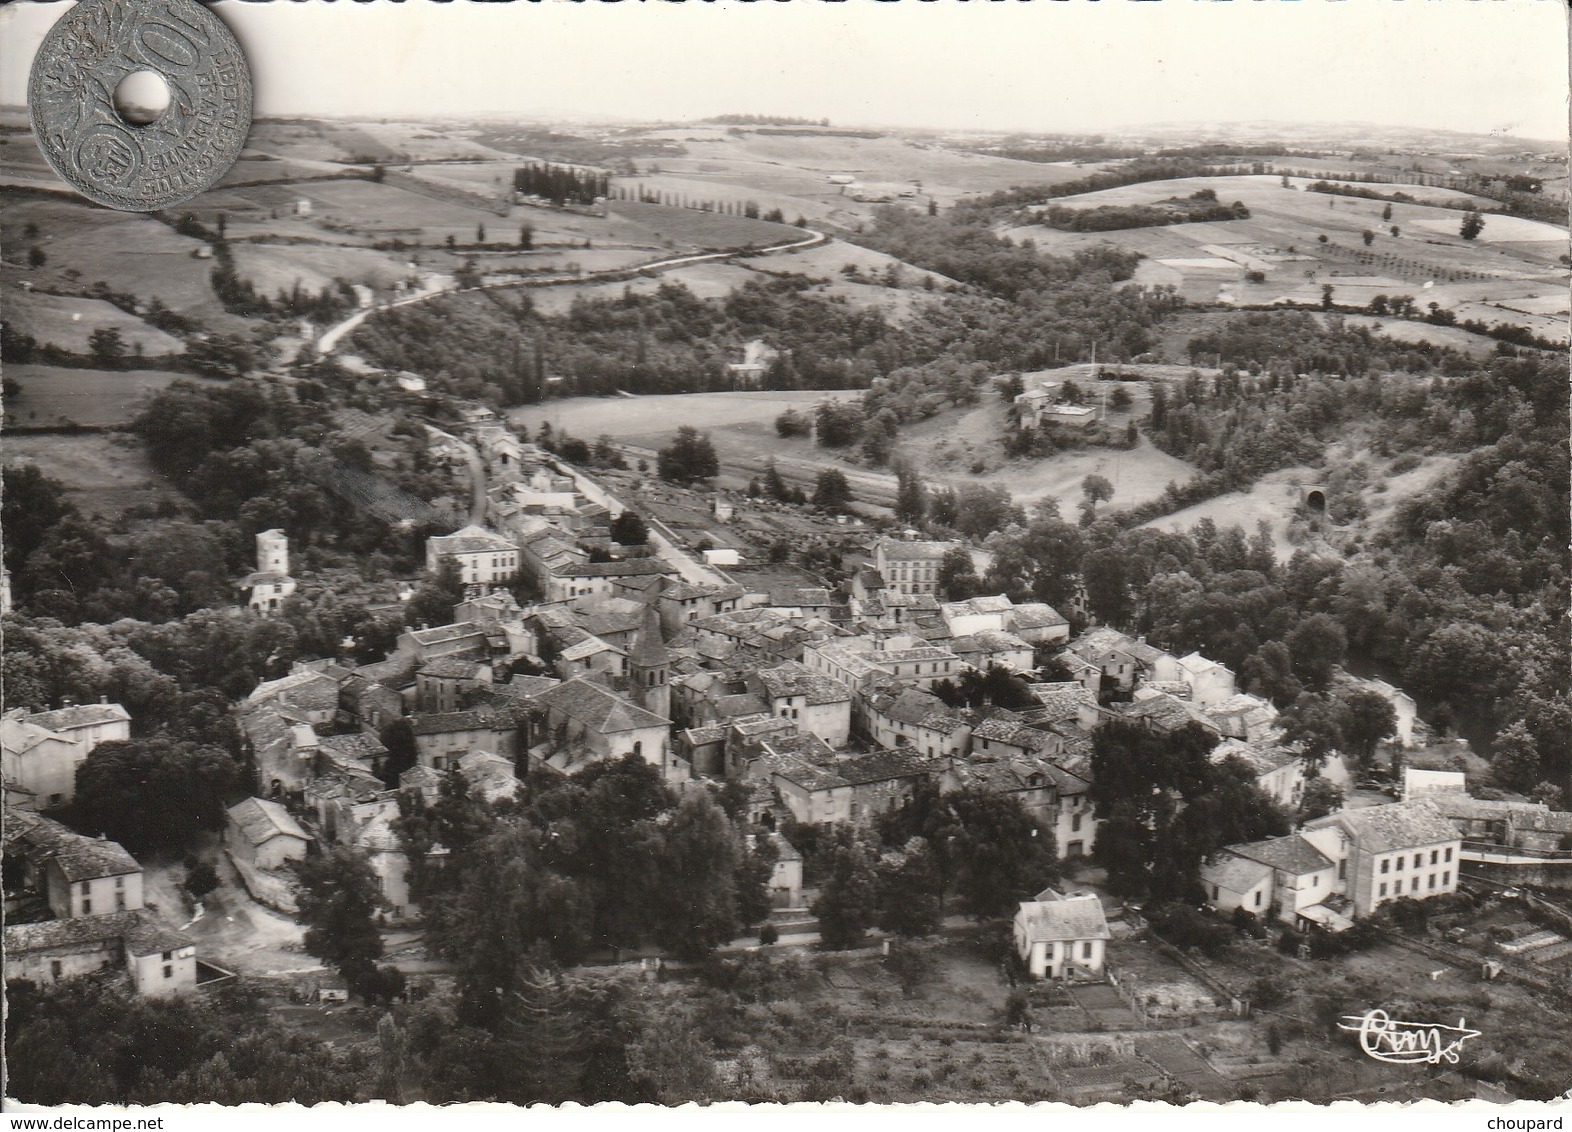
x: 587, y: 722
x: 442, y: 683
x: 485, y: 559
x: 40, y: 751
x: 442, y: 738
x: 816, y: 703
x: 1061, y: 937
x: 263, y: 835
x: 1385, y: 852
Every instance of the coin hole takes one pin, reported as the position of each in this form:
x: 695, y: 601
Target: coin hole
x: 141, y: 98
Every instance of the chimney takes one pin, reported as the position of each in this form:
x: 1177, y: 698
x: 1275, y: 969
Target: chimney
x: 103, y: 699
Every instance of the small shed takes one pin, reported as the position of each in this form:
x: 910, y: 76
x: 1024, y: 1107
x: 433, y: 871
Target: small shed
x: 263, y: 835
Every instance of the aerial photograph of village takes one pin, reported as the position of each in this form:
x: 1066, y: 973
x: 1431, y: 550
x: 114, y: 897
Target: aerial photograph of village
x: 782, y: 599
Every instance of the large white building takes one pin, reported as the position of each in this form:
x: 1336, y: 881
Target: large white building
x: 910, y: 566
x: 485, y: 559
x: 1340, y: 867
x: 40, y: 751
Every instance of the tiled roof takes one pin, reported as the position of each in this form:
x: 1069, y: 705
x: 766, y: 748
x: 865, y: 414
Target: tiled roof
x: 588, y: 647
x: 1292, y: 854
x: 740, y: 704
x: 443, y: 634
x: 491, y: 776
x: 307, y: 690
x: 893, y: 656
x: 1236, y: 874
x: 529, y: 687
x: 628, y: 567
x: 803, y: 744
x: 355, y: 746
x: 702, y: 736
x: 78, y: 932
x: 1165, y: 712
x: 1194, y: 663
x: 805, y: 774
x: 260, y: 820
x: 145, y: 936
x: 1101, y: 640
x: 1014, y: 732
x: 17, y: 736
x: 598, y: 708
x: 470, y: 540
x: 882, y: 766
x: 1461, y: 807
x: 1005, y: 776
x: 444, y: 723
x: 78, y: 857
x: 915, y: 602
x: 420, y: 778
x: 81, y: 715
x: 1057, y: 920
x: 899, y: 550
x: 906, y: 705
x: 1035, y: 615
x: 796, y: 679
x: 449, y: 668
x: 760, y: 723
x: 1402, y: 825
x: 1262, y: 758
x: 1067, y: 702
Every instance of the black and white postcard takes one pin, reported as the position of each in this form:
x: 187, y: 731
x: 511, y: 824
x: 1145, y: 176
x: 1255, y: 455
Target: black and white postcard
x: 785, y: 552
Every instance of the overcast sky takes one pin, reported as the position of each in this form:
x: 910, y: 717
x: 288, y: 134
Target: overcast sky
x: 1484, y: 66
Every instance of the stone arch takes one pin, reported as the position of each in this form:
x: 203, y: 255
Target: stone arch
x: 1313, y: 497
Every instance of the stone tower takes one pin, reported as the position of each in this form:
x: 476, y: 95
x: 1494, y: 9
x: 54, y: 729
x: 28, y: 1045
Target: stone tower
x: 649, y: 666
x: 272, y: 552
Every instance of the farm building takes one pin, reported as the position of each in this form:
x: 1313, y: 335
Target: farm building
x: 263, y: 834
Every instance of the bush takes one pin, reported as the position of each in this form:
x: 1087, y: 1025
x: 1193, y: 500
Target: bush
x: 1411, y: 915
x: 792, y: 423
x: 768, y: 935
x: 1269, y: 991
x: 201, y: 878
x: 1183, y: 926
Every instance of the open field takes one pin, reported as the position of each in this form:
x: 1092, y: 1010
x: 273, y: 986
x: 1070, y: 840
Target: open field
x: 275, y: 268
x: 1514, y: 262
x: 1271, y: 500
x: 103, y: 473
x: 69, y: 322
x: 644, y: 419
x: 946, y: 447
x: 127, y: 251
x: 56, y: 394
x: 741, y: 425
x: 706, y: 280
x: 828, y: 260
x: 692, y: 228
x: 1404, y: 331
x: 1178, y: 329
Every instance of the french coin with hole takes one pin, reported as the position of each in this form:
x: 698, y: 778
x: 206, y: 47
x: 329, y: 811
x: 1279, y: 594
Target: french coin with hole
x: 140, y: 104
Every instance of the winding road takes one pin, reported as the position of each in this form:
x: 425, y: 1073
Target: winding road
x: 330, y: 338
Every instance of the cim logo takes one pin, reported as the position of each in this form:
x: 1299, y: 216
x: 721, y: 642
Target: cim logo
x: 1406, y: 1043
